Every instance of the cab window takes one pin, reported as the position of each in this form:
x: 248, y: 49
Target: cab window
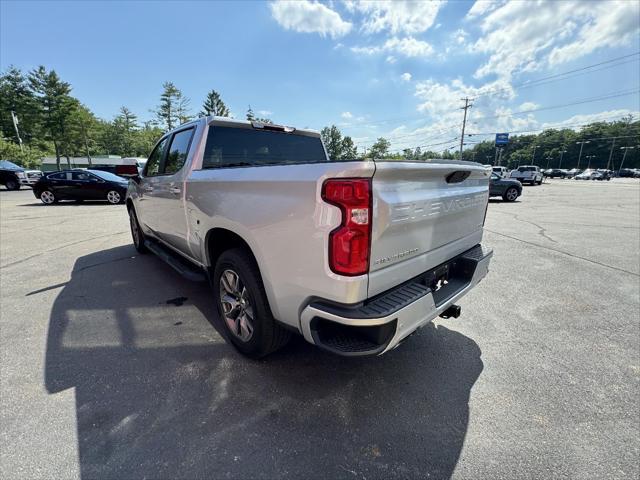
x: 153, y: 163
x: 81, y: 176
x: 178, y: 151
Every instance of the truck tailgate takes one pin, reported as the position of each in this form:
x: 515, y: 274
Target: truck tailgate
x: 423, y: 215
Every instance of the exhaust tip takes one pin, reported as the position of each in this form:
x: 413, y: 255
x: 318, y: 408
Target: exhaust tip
x: 453, y: 311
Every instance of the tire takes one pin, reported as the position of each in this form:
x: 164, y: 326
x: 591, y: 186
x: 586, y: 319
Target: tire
x: 114, y: 197
x: 136, y: 232
x: 540, y: 182
x: 510, y: 195
x: 246, y: 316
x: 47, y: 197
x: 12, y: 184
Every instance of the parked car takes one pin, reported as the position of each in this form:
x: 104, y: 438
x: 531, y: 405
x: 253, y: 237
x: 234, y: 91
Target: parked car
x: 354, y: 255
x: 573, y: 172
x: 507, y: 188
x: 31, y: 177
x: 528, y: 174
x: 502, y: 171
x: 626, y: 173
x: 593, y: 175
x: 80, y: 185
x: 11, y: 175
x: 604, y: 174
x: 556, y: 173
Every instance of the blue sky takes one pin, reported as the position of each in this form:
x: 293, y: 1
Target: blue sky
x: 394, y: 69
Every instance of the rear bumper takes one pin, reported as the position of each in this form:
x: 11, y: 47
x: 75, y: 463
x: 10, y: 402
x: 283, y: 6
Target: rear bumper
x: 379, y: 324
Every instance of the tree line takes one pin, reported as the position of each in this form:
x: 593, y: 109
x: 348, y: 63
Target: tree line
x: 53, y: 122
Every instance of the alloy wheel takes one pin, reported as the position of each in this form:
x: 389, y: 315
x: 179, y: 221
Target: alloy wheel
x: 113, y: 197
x: 47, y: 197
x: 236, y: 305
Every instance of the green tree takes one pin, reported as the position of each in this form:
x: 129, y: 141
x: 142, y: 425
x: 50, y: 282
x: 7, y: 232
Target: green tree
x: 173, y: 109
x: 213, y: 105
x: 348, y: 149
x: 332, y: 139
x: 54, y: 106
x: 16, y: 96
x: 250, y: 115
x: 380, y: 149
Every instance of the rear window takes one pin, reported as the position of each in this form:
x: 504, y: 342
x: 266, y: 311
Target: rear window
x: 240, y: 147
x: 527, y: 169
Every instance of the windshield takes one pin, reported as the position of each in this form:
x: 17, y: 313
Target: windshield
x: 9, y: 165
x: 108, y: 176
x: 243, y: 147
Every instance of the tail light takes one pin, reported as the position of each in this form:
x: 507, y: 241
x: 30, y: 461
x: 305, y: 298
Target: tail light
x: 126, y: 170
x: 349, y: 244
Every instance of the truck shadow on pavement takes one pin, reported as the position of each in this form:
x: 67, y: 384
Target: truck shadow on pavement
x: 159, y: 394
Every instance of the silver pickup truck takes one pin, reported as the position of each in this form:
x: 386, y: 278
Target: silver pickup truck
x: 353, y: 255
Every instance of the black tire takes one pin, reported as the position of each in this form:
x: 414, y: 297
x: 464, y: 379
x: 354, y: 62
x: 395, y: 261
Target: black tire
x: 510, y: 195
x: 540, y: 182
x: 12, y: 184
x: 47, y: 197
x: 136, y: 232
x: 267, y: 335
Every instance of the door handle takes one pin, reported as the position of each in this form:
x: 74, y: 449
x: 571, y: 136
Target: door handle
x: 175, y: 190
x: 148, y: 189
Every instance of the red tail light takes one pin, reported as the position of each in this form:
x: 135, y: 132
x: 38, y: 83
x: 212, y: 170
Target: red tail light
x: 349, y: 244
x: 126, y: 170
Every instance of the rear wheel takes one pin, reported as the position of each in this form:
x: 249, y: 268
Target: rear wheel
x: 510, y: 195
x: 243, y: 306
x: 114, y: 197
x: 12, y: 184
x: 136, y: 232
x: 48, y: 197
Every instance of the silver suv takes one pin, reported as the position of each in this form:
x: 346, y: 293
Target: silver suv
x: 353, y: 255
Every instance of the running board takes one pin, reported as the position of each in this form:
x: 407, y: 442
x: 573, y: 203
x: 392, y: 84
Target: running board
x: 180, y: 265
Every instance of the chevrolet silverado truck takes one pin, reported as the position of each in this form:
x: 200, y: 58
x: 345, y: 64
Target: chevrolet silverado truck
x: 353, y: 255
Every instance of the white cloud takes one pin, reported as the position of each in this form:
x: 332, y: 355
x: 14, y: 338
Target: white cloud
x: 528, y: 106
x: 406, y: 76
x: 397, y: 16
x: 346, y: 115
x: 266, y: 113
x: 309, y: 17
x: 521, y: 37
x: 391, y: 59
x: 480, y: 7
x: 460, y: 36
x: 575, y: 122
x: 408, y: 46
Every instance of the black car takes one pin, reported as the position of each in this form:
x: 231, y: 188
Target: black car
x: 10, y: 175
x: 507, y: 188
x: 556, y: 173
x: 81, y: 185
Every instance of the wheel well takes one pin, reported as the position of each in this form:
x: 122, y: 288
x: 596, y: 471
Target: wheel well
x: 219, y: 240
x: 129, y: 203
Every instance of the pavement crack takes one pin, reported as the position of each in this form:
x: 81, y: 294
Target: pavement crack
x: 565, y: 253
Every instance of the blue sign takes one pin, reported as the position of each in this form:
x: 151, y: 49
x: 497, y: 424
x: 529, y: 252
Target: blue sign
x: 502, y: 138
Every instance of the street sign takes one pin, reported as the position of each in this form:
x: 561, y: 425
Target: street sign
x: 502, y: 138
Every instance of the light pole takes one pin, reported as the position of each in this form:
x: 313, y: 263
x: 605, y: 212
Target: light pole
x: 589, y: 157
x: 626, y: 149
x: 533, y: 157
x: 580, y: 155
x: 548, y: 160
x: 562, y: 152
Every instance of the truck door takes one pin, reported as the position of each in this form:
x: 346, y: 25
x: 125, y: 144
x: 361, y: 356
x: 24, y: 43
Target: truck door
x: 169, y: 192
x: 147, y: 206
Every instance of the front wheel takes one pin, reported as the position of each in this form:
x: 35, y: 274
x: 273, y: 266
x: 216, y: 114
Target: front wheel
x: 243, y: 306
x: 48, y: 197
x: 136, y: 232
x: 510, y: 195
x: 12, y: 184
x: 114, y: 197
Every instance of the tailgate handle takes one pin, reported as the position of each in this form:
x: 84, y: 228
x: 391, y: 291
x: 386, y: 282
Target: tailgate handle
x: 457, y: 177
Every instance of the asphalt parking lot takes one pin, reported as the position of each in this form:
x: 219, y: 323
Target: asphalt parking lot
x: 112, y: 367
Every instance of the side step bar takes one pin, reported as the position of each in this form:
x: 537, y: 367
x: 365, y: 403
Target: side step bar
x: 180, y: 265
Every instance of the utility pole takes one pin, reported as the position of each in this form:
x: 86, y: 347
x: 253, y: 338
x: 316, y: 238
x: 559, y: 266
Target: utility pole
x: 548, y: 160
x: 562, y: 152
x: 580, y: 155
x: 626, y: 149
x: 613, y: 144
x: 533, y: 157
x: 466, y: 107
x: 589, y: 157
x: 14, y: 117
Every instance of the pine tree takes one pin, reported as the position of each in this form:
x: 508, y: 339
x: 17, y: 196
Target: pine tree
x: 348, y: 149
x: 250, y: 116
x: 174, y: 107
x: 213, y: 105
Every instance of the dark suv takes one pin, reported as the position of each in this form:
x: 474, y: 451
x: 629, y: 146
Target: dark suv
x: 10, y: 175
